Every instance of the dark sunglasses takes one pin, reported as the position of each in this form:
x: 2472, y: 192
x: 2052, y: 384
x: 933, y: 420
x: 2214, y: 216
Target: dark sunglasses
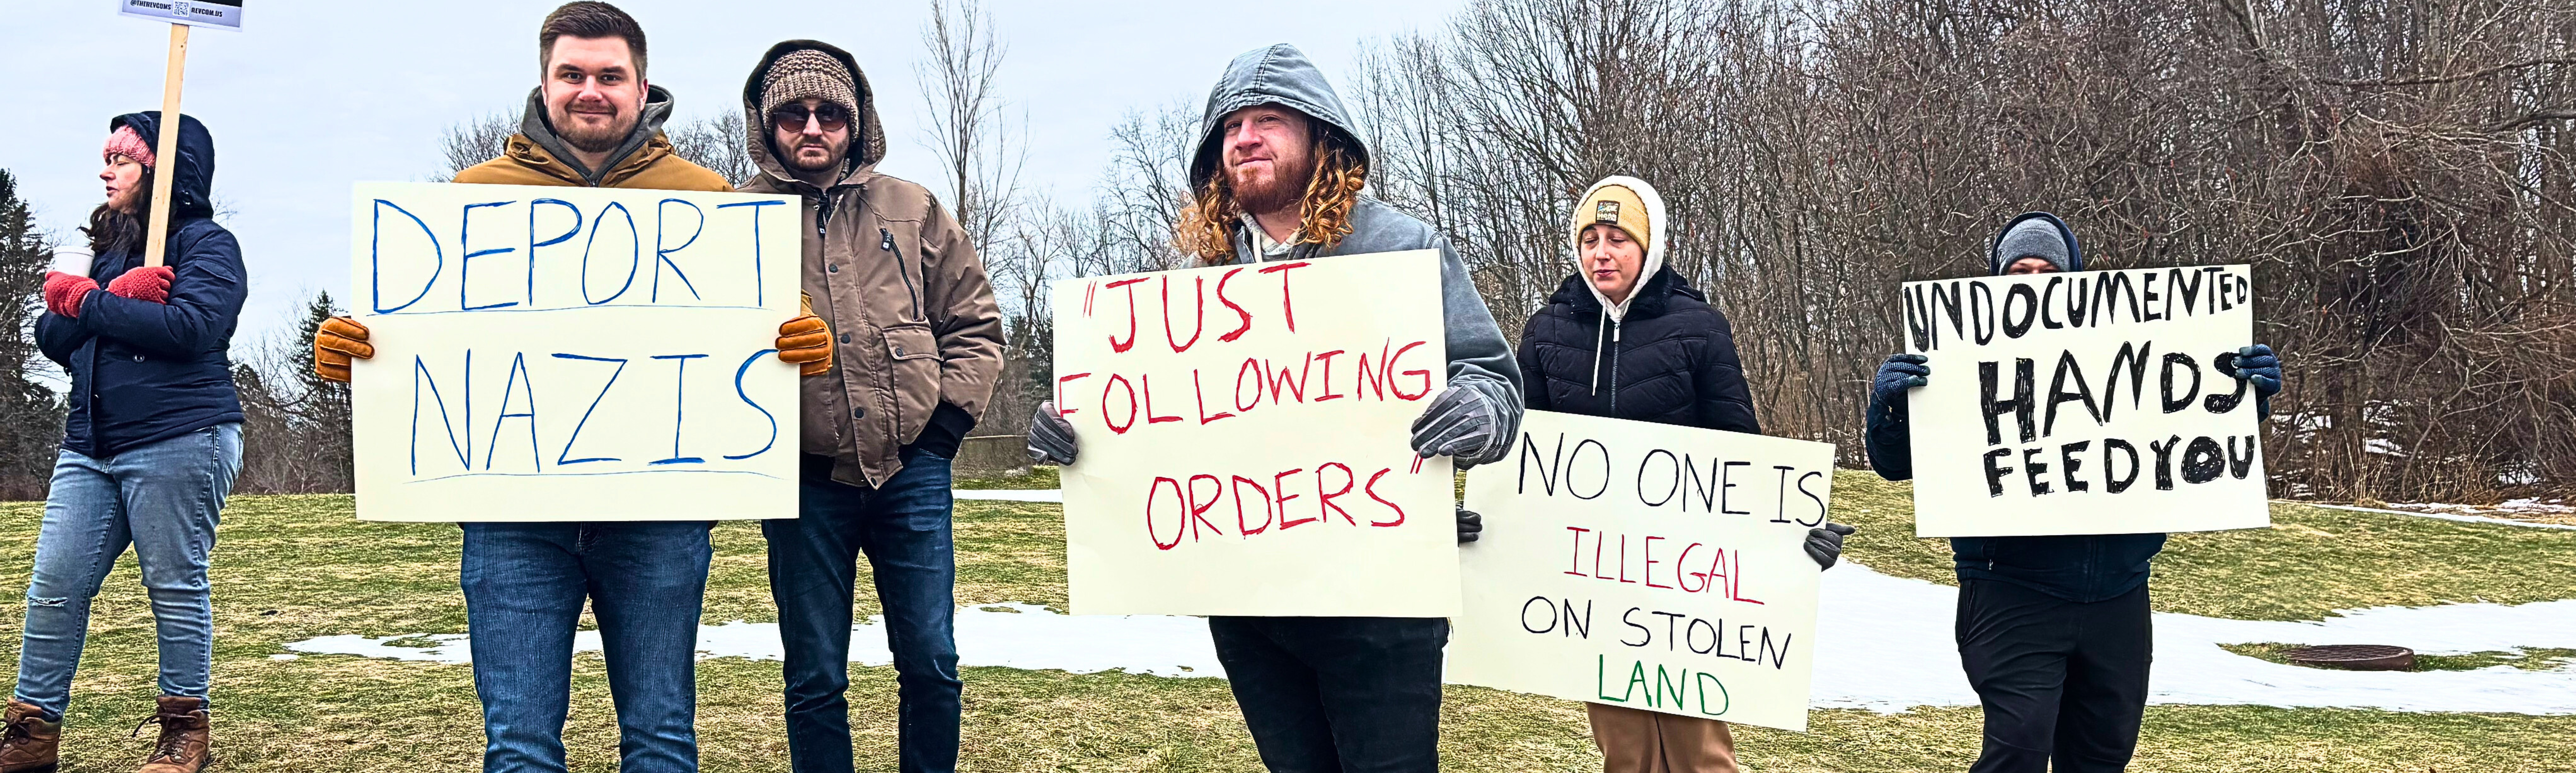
x: 793, y: 117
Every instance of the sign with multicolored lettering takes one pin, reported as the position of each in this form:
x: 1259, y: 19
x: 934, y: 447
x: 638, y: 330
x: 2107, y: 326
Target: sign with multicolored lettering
x: 1648, y: 566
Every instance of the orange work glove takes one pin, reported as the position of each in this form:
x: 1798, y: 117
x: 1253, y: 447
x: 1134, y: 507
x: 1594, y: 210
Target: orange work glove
x: 338, y: 340
x: 806, y: 341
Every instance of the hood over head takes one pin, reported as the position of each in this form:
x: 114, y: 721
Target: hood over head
x: 1278, y: 74
x: 192, y: 190
x: 1655, y: 240
x: 2035, y: 235
x: 538, y: 127
x: 867, y: 139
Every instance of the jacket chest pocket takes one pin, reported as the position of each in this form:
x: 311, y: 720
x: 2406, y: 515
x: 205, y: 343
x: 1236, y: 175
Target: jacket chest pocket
x: 898, y: 243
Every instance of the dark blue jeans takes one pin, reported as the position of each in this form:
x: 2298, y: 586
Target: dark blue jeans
x: 1337, y: 694
x: 646, y: 582
x: 902, y: 527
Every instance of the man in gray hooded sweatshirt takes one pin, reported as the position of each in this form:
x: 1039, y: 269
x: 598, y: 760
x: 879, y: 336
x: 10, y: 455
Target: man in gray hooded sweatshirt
x: 1278, y: 174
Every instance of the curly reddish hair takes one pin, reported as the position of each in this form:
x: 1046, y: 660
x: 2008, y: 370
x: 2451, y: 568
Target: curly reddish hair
x: 1324, y: 212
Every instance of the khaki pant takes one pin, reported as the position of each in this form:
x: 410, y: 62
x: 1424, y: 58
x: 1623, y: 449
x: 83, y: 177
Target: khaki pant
x: 1640, y: 741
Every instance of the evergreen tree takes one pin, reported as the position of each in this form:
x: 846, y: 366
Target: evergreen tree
x: 31, y: 415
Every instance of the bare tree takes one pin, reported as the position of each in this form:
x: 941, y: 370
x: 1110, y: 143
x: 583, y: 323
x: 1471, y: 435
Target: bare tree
x: 967, y: 130
x: 473, y: 141
x: 2398, y: 173
x: 1141, y: 194
x: 717, y: 142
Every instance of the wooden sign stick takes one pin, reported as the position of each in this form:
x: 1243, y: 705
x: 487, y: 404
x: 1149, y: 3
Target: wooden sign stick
x: 166, y: 156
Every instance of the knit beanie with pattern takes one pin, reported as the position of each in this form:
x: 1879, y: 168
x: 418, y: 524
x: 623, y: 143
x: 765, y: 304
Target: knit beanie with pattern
x: 808, y: 73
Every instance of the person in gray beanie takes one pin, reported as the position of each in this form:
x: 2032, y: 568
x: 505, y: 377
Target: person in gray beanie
x: 2053, y: 631
x: 918, y: 347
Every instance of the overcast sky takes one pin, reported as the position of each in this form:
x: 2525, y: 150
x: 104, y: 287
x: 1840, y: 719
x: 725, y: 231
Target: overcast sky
x: 318, y: 95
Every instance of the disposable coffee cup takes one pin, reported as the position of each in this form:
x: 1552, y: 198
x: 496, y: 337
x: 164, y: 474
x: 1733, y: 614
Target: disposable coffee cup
x: 72, y: 260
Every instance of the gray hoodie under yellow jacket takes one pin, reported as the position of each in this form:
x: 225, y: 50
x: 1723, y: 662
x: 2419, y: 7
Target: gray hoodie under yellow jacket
x: 1479, y: 358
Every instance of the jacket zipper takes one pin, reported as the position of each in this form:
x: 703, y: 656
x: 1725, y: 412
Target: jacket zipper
x: 1615, y: 326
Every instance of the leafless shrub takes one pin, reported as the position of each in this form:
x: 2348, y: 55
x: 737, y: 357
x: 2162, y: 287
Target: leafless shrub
x: 2398, y: 173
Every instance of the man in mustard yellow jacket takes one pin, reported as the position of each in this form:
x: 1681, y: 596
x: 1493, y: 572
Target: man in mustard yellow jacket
x: 594, y: 123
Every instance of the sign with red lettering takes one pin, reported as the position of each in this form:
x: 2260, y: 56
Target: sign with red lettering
x: 2088, y: 402
x: 1245, y: 440
x: 1649, y: 566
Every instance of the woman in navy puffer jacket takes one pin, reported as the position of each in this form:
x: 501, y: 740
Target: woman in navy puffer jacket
x: 152, y: 442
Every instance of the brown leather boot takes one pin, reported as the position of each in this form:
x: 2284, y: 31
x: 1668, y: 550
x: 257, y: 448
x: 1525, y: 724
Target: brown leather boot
x: 28, y: 743
x: 184, y: 745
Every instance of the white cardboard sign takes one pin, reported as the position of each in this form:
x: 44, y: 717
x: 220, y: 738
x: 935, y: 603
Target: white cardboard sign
x: 1648, y: 566
x: 1245, y: 440
x: 573, y: 354
x: 217, y: 14
x: 2084, y: 403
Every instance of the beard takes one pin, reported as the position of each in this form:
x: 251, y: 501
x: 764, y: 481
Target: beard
x: 796, y: 160
x: 1277, y: 191
x: 600, y: 140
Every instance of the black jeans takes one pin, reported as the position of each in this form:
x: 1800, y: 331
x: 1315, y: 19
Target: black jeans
x: 2059, y: 679
x: 813, y: 574
x: 1337, y: 694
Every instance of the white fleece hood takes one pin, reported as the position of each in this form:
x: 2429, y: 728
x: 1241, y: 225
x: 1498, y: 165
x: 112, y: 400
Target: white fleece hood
x: 1612, y: 314
x: 1655, y: 227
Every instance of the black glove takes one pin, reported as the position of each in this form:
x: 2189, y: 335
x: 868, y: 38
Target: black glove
x: 2259, y: 366
x: 1899, y: 373
x: 1050, y: 436
x: 1470, y: 525
x: 1826, y: 544
x: 1461, y: 423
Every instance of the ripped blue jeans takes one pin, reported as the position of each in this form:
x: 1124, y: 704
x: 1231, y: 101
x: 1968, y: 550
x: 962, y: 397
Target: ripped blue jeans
x: 164, y: 499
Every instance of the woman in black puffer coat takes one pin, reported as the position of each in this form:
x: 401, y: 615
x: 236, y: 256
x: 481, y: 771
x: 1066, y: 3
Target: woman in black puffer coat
x: 1627, y: 338
x: 1659, y: 353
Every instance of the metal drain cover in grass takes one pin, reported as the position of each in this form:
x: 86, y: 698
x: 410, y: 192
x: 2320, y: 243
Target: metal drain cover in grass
x: 2356, y: 657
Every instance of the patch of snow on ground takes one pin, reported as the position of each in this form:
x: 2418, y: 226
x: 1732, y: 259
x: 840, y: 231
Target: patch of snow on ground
x: 2445, y: 512
x: 1889, y: 645
x: 1884, y: 643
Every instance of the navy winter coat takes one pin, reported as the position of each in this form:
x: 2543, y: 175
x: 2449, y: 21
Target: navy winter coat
x: 1670, y: 361
x: 2082, y: 568
x: 144, y: 372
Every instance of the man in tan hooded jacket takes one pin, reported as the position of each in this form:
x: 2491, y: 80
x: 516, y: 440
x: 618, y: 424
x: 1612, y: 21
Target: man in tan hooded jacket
x: 917, y: 347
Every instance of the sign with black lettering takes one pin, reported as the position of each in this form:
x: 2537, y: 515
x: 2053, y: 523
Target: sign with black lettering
x: 2089, y: 402
x: 219, y: 14
x: 573, y: 354
x: 1648, y: 566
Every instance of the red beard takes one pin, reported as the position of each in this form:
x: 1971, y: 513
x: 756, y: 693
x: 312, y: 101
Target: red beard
x: 1280, y: 191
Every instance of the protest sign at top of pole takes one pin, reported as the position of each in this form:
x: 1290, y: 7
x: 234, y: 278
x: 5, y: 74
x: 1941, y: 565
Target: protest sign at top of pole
x: 181, y: 14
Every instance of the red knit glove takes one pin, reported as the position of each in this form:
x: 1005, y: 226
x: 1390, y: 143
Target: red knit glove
x: 63, y: 292
x: 150, y: 283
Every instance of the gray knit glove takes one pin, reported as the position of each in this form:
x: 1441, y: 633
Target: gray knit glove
x: 1461, y: 423
x: 1470, y: 525
x: 1050, y: 436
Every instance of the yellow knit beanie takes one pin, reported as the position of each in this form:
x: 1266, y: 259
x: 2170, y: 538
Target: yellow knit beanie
x: 1613, y: 205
